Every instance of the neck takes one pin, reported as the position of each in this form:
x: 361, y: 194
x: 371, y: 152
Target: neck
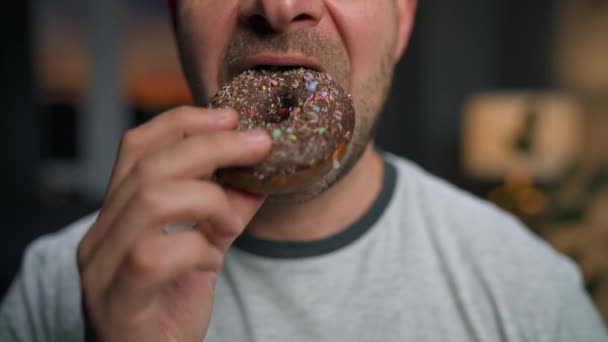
x: 327, y: 214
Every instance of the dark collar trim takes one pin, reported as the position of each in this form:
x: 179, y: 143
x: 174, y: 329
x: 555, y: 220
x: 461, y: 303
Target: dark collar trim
x: 295, y: 250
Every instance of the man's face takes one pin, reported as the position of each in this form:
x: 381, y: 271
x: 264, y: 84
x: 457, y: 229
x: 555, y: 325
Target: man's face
x: 356, y: 41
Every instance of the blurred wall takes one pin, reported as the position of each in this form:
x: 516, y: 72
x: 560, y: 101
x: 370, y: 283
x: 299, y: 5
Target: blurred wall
x: 19, y: 120
x: 459, y: 48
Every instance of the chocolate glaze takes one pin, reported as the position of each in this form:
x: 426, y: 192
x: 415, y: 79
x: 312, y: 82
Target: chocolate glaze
x: 308, y: 115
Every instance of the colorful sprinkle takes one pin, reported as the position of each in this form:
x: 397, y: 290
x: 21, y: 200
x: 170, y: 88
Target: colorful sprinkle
x: 321, y: 130
x: 338, y: 150
x: 251, y: 114
x: 289, y: 130
x: 312, y: 86
x: 305, y: 104
x: 274, y: 82
x: 312, y: 117
x: 277, y: 133
x: 283, y: 112
x: 316, y: 109
x: 293, y: 137
x: 264, y: 88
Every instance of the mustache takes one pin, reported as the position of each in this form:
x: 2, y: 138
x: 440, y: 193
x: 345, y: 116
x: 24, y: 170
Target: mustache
x: 309, y: 43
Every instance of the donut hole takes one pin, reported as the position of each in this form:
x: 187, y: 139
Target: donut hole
x: 284, y: 104
x: 276, y: 117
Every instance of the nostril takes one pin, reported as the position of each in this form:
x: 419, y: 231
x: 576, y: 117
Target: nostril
x: 303, y: 17
x: 272, y: 16
x: 259, y: 24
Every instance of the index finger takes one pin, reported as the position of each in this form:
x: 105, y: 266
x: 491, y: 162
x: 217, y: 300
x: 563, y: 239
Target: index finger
x: 166, y: 129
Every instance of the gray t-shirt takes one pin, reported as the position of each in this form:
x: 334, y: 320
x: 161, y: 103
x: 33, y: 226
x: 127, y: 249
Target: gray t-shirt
x: 426, y: 263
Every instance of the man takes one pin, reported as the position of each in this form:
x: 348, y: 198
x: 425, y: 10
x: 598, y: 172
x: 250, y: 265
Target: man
x: 376, y: 251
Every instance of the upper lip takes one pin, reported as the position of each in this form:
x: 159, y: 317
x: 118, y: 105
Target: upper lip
x: 286, y: 60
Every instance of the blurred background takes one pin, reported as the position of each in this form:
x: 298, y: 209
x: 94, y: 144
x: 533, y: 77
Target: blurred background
x: 505, y: 98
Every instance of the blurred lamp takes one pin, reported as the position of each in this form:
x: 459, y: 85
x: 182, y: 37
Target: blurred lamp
x: 526, y: 133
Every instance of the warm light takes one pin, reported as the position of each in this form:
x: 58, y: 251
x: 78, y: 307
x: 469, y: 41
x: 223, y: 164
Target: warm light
x: 150, y: 74
x: 581, y: 47
x: 532, y: 201
x: 526, y: 134
x: 151, y: 67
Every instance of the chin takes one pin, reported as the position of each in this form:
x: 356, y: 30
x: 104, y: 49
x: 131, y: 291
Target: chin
x: 351, y: 159
x: 309, y: 193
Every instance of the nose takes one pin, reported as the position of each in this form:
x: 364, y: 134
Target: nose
x: 275, y: 16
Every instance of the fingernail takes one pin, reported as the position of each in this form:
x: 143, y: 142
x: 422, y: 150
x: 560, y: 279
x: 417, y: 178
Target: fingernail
x: 255, y: 136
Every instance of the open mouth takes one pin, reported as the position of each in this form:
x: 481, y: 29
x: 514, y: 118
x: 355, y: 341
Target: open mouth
x: 272, y: 63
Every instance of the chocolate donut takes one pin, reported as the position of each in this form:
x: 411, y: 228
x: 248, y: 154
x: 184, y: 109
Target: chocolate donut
x: 309, y: 117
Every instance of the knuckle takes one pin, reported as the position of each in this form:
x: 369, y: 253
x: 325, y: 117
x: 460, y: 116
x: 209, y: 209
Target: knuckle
x: 216, y: 261
x: 142, y: 170
x: 177, y: 116
x: 130, y: 141
x: 148, y: 198
x: 181, y: 116
x: 210, y: 257
x: 233, y: 227
x: 213, y: 198
x: 201, y: 200
x: 141, y: 260
x: 229, y: 222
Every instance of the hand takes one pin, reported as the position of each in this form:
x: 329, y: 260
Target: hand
x: 138, y: 282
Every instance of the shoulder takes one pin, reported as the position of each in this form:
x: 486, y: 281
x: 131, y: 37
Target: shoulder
x: 63, y: 243
x: 54, y: 255
x: 44, y: 299
x: 475, y: 230
x: 50, y: 260
x: 469, y: 225
x: 490, y: 256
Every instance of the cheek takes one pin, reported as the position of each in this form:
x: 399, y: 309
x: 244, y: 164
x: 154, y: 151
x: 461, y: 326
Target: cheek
x: 205, y: 29
x: 368, y: 29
